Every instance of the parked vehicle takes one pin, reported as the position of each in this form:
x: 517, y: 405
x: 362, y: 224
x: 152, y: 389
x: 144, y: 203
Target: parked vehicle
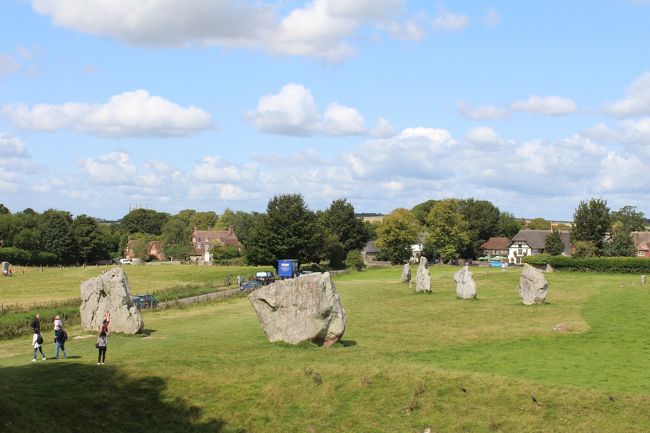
x: 144, y: 301
x: 125, y: 261
x: 265, y: 277
x: 250, y: 285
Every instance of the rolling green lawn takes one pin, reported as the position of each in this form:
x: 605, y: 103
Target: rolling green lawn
x: 406, y: 361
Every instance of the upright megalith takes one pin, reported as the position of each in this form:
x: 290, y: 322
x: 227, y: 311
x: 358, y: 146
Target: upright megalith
x: 307, y: 308
x: 406, y: 273
x: 465, y: 285
x: 109, y: 293
x: 422, y: 278
x: 532, y: 286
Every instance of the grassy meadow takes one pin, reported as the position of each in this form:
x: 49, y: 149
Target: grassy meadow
x: 406, y: 361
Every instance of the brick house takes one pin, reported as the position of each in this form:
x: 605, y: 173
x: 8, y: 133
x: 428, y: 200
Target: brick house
x: 495, y: 246
x: 203, y: 240
x: 154, y: 250
x: 641, y: 243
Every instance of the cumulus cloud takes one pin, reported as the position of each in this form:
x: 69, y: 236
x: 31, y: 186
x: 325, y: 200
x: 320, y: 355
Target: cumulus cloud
x: 483, y: 112
x: 293, y: 111
x: 320, y: 28
x: 637, y: 101
x: 482, y: 135
x: 409, y: 30
x: 545, y: 105
x: 130, y: 114
x: 11, y: 147
x: 620, y: 173
x: 214, y: 169
x: 449, y: 21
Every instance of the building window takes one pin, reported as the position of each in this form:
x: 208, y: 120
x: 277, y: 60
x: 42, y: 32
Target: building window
x: 641, y: 253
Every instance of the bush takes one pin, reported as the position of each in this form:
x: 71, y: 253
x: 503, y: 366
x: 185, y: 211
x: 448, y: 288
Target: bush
x: 354, y: 260
x: 593, y: 264
x: 21, y: 257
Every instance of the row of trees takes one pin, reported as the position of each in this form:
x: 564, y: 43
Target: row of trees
x: 448, y: 229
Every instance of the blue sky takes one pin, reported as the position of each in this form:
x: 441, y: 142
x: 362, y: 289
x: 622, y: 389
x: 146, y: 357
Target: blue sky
x: 208, y: 104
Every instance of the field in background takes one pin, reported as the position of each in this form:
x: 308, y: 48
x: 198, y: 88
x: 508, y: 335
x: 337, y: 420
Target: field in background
x: 406, y: 361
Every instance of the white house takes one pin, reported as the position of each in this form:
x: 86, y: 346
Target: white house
x: 531, y: 242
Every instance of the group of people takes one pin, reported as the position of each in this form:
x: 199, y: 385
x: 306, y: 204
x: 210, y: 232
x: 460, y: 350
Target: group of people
x: 60, y: 337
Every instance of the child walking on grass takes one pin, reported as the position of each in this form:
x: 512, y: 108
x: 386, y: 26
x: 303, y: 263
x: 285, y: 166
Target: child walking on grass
x: 37, y: 344
x: 102, y: 342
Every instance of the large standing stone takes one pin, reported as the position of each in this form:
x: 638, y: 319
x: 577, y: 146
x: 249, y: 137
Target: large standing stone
x: 465, y: 285
x: 109, y: 293
x: 422, y: 278
x: 532, y: 286
x: 406, y: 273
x: 306, y: 308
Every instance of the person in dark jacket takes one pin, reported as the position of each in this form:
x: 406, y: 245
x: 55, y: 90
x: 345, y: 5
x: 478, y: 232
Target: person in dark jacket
x: 102, y: 342
x: 36, y: 323
x: 60, y: 336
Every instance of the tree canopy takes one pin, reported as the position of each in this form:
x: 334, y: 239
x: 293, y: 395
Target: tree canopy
x: 396, y: 233
x: 591, y: 223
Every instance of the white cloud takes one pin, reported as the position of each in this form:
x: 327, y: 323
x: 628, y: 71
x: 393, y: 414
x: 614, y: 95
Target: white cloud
x: 484, y: 112
x: 449, y: 21
x: 383, y: 129
x: 409, y: 30
x: 8, y: 65
x: 319, y: 28
x: 637, y: 101
x: 623, y: 174
x: 482, y: 135
x: 293, y: 111
x: 214, y: 169
x: 341, y: 120
x: 492, y: 18
x: 546, y: 105
x: 11, y: 147
x: 128, y: 114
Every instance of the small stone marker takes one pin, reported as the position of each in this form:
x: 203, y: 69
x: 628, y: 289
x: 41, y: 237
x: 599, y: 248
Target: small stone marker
x: 563, y: 327
x: 406, y: 273
x: 465, y: 285
x: 549, y: 268
x: 422, y: 278
x: 533, y: 287
x: 643, y: 280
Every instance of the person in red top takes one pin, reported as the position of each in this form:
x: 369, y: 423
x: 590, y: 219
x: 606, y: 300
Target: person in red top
x: 106, y: 322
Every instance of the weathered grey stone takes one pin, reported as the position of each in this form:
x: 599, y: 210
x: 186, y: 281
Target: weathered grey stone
x: 532, y: 286
x: 563, y: 327
x: 406, y: 273
x: 465, y: 285
x: 549, y: 268
x: 643, y: 280
x: 422, y: 278
x: 109, y: 293
x: 307, y: 308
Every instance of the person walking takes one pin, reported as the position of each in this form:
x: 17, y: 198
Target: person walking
x: 60, y: 337
x: 36, y: 323
x: 58, y: 324
x: 106, y: 322
x: 102, y: 342
x: 37, y: 344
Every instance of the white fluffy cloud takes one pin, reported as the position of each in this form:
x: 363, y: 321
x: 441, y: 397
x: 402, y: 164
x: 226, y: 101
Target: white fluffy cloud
x: 482, y: 135
x: 293, y: 111
x: 546, y: 105
x: 637, y: 101
x: 623, y: 174
x: 11, y: 147
x: 319, y: 28
x: 214, y: 169
x: 449, y: 21
x: 128, y: 114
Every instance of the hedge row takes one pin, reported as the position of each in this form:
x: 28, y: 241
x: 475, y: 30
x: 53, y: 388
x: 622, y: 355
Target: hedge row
x: 16, y: 256
x: 593, y: 264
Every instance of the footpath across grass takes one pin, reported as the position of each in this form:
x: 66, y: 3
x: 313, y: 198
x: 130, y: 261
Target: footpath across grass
x: 407, y: 361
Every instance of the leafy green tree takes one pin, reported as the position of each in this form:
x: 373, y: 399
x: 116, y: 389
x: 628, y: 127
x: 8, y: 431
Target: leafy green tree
x: 448, y: 230
x: 591, y: 223
x: 240, y: 221
x: 176, y: 234
x: 621, y: 245
x: 508, y: 225
x: 290, y: 230
x: 333, y: 250
x: 339, y: 219
x: 140, y: 248
x: 554, y: 245
x: 224, y: 252
x: 146, y: 221
x: 57, y: 235
x: 539, y: 224
x: 27, y: 239
x: 90, y: 239
x: 628, y: 219
x: 203, y: 220
x: 354, y: 260
x: 585, y: 249
x: 482, y: 219
x: 421, y: 211
x: 4, y: 210
x: 395, y: 235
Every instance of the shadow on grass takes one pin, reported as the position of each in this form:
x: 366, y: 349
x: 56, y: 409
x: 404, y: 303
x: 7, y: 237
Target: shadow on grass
x: 93, y: 398
x: 348, y: 343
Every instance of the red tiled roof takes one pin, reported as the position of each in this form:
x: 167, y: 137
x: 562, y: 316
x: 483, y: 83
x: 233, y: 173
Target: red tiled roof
x: 496, y: 243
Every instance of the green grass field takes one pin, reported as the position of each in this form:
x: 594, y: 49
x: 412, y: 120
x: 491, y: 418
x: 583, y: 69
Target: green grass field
x: 406, y: 361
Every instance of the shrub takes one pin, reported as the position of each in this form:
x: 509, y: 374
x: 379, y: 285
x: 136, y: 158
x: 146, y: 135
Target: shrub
x: 593, y: 264
x: 354, y: 259
x: 27, y: 258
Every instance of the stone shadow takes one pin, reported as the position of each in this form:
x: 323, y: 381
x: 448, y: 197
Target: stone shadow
x: 75, y: 397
